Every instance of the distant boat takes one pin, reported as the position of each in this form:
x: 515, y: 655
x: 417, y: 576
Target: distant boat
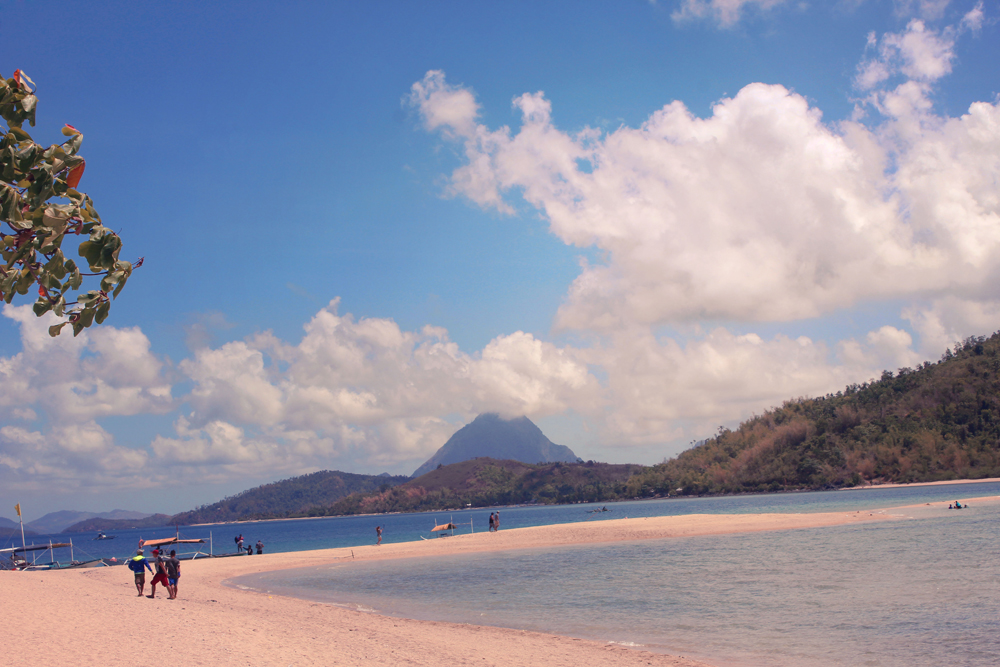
x: 602, y: 509
x: 102, y: 536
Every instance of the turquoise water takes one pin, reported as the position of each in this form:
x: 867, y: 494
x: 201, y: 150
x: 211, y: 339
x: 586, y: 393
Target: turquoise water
x: 915, y: 592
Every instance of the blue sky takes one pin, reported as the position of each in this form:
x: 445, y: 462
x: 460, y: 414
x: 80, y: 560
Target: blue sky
x: 698, y: 209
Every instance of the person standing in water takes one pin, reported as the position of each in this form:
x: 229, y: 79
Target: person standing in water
x: 378, y: 533
x: 496, y: 522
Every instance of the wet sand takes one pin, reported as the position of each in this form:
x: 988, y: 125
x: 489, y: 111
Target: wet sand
x: 94, y: 616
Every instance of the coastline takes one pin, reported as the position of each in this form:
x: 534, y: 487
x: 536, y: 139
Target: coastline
x: 860, y: 487
x: 95, y: 613
x: 892, y: 485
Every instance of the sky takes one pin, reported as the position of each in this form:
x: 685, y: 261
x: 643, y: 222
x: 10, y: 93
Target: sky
x: 363, y: 224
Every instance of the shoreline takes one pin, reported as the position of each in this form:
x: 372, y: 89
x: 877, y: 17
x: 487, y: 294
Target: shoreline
x: 216, y: 623
x: 860, y: 487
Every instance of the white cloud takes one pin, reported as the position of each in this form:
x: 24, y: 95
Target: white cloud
x: 919, y: 53
x: 759, y: 212
x: 927, y: 9
x: 360, y: 392
x: 725, y: 13
x: 69, y: 383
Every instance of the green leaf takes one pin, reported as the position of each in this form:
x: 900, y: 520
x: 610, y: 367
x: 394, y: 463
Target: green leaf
x: 102, y: 312
x: 55, y: 329
x: 41, y: 306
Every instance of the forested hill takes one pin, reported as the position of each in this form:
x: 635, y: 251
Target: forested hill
x: 935, y: 422
x: 289, y: 497
x: 484, y: 482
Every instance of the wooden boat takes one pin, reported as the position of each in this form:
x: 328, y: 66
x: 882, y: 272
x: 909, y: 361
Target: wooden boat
x: 19, y: 561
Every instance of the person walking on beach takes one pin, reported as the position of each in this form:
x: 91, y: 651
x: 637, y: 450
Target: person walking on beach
x: 378, y: 532
x: 496, y: 522
x: 492, y: 522
x: 173, y: 566
x: 138, y: 564
x: 260, y: 547
x: 161, y: 574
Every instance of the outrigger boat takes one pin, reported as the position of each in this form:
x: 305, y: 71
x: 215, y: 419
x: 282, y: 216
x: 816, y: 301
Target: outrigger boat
x: 102, y: 536
x: 177, y: 539
x: 18, y: 558
x: 18, y: 555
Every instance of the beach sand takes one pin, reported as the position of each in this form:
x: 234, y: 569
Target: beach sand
x: 94, y: 616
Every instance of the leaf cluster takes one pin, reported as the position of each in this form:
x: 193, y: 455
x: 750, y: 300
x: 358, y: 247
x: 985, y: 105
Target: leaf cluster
x: 41, y: 207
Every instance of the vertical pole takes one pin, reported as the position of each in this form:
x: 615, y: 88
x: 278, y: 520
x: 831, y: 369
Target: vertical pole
x: 71, y: 550
x: 211, y: 546
x: 24, y: 547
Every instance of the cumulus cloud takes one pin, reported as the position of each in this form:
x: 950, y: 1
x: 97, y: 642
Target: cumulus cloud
x: 69, y: 383
x: 760, y: 212
x: 362, y: 391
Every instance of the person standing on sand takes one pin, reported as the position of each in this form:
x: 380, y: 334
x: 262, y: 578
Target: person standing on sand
x: 173, y: 566
x: 378, y: 532
x: 161, y: 574
x: 136, y: 564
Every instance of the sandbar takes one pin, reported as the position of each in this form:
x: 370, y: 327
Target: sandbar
x: 94, y: 616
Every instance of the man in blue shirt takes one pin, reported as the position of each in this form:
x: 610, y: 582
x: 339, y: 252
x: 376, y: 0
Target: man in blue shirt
x: 138, y: 564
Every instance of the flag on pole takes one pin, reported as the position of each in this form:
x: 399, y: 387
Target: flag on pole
x: 18, y: 508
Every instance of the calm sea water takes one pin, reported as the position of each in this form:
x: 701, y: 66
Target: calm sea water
x: 299, y: 535
x: 917, y: 592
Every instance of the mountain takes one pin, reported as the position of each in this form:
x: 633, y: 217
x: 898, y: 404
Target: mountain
x: 936, y: 422
x: 484, y: 482
x: 56, y: 522
x: 492, y: 436
x: 9, y: 528
x: 295, y: 496
x: 97, y: 523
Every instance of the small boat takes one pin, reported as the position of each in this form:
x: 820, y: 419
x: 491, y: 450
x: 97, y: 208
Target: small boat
x: 102, y: 536
x: 601, y: 509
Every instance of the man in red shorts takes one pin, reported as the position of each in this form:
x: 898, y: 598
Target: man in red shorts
x: 161, y: 574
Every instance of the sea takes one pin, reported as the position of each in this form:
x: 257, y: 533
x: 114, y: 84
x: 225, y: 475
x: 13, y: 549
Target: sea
x: 921, y: 591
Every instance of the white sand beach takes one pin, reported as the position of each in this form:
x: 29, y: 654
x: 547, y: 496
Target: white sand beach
x: 93, y: 616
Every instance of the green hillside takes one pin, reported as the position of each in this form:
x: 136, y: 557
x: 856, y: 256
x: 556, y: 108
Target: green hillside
x: 935, y: 422
x: 289, y: 497
x: 484, y: 482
